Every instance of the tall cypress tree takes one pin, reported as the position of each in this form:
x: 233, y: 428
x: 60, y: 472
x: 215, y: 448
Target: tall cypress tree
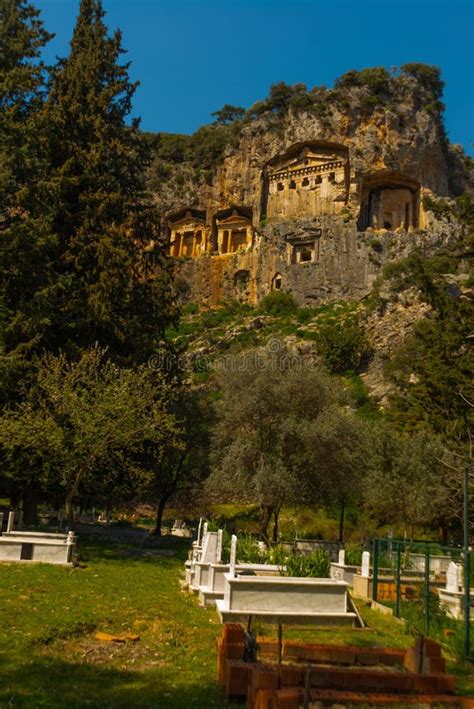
x: 110, y: 293
x: 27, y: 244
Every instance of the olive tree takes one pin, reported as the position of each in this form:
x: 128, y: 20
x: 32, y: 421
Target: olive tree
x: 407, y: 483
x: 86, y: 424
x: 283, y: 433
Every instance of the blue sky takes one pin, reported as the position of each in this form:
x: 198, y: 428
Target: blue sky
x: 193, y: 56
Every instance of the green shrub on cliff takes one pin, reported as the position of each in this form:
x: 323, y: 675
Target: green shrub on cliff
x: 438, y: 207
x: 342, y: 345
x: 376, y: 79
x: 426, y: 74
x: 278, y: 303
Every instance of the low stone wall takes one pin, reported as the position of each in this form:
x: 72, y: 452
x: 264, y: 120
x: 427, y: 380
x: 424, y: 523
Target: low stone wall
x: 308, y: 546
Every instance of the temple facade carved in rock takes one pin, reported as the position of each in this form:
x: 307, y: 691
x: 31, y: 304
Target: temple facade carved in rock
x: 307, y: 181
x: 303, y: 222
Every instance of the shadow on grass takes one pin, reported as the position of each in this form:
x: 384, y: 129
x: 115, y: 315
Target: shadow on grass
x: 44, y: 682
x: 91, y: 551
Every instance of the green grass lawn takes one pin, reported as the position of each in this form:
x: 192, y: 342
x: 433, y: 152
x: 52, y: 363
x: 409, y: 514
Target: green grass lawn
x: 49, y: 615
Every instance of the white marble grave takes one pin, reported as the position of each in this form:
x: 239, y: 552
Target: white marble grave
x: 197, y: 569
x: 214, y: 590
x: 452, y: 597
x: 233, y: 554
x: 341, y: 571
x: 38, y: 546
x: 365, y: 570
x: 285, y: 600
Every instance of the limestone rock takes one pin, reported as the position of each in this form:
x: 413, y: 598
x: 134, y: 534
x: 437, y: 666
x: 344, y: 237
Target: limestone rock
x: 314, y: 202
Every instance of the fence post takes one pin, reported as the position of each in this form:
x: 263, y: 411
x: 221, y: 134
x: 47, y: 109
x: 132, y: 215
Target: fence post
x: 375, y: 575
x: 467, y: 604
x: 399, y: 563
x: 427, y: 588
x: 467, y: 565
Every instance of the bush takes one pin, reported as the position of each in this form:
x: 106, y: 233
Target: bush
x: 316, y: 565
x: 437, y: 207
x: 366, y: 406
x: 190, y: 309
x: 248, y: 550
x: 342, y: 345
x: 207, y: 145
x: 376, y: 245
x: 276, y: 555
x: 375, y: 78
x: 304, y: 315
x: 229, y: 114
x: 353, y: 555
x: 414, y: 614
x: 278, y: 303
x: 224, y: 314
x: 427, y: 75
x: 173, y: 147
x: 465, y: 208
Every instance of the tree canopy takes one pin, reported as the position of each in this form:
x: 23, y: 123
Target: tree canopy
x: 109, y: 292
x: 87, y: 426
x: 283, y: 434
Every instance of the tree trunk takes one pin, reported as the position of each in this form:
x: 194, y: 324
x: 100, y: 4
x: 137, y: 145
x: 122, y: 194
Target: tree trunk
x: 30, y: 506
x: 341, y: 520
x: 266, y: 512
x: 69, y: 501
x: 444, y: 533
x: 159, y: 515
x: 276, y: 516
x: 70, y: 510
x: 275, y: 527
x: 15, y: 498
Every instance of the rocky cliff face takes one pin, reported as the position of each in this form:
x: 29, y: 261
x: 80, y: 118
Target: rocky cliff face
x: 315, y: 191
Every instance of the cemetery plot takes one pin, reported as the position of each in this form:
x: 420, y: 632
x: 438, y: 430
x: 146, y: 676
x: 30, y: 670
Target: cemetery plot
x: 51, y: 616
x: 285, y: 600
x: 214, y: 590
x: 261, y: 591
x: 342, y: 571
x: 46, y: 547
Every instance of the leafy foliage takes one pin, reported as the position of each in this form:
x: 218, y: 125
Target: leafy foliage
x: 375, y: 78
x: 317, y: 565
x: 353, y: 555
x: 406, y: 485
x: 428, y: 76
x: 278, y: 303
x: 228, y: 114
x: 102, y: 220
x: 88, y: 423
x: 342, y: 345
x: 281, y: 433
x: 439, y: 208
x: 434, y: 373
x: 177, y: 467
x: 434, y: 369
x: 27, y: 244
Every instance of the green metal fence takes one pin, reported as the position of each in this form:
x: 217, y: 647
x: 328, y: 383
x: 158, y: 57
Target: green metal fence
x: 415, y: 572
